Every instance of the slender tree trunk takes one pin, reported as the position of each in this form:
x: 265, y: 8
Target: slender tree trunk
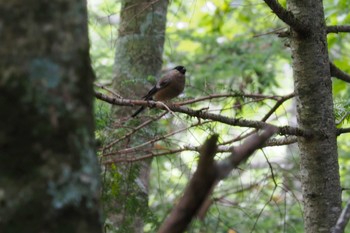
x: 319, y: 162
x: 49, y: 174
x: 138, y: 55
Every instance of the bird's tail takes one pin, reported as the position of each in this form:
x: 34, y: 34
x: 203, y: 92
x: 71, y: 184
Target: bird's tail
x: 138, y: 111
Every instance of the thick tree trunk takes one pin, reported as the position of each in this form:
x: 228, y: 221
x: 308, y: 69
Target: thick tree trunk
x: 319, y: 162
x: 49, y: 175
x: 138, y: 55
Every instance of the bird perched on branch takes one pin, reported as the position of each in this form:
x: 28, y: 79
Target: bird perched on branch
x: 168, y: 87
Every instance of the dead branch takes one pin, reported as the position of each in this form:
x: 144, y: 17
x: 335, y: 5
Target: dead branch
x: 221, y: 149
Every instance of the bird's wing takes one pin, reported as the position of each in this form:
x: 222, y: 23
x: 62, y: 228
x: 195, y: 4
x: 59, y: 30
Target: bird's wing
x: 151, y: 92
x: 163, y: 82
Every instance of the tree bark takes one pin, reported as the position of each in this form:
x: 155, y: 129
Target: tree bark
x: 49, y: 174
x: 139, y: 50
x: 319, y: 162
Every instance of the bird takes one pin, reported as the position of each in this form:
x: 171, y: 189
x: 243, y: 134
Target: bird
x: 169, y: 86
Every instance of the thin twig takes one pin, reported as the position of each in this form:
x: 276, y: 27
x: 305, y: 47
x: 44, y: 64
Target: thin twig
x: 342, y: 118
x: 136, y: 148
x: 220, y: 149
x: 107, y: 89
x: 278, y: 103
x: 215, y: 96
x: 134, y: 130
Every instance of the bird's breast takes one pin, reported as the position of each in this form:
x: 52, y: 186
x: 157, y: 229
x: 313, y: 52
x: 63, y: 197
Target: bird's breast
x: 172, y: 90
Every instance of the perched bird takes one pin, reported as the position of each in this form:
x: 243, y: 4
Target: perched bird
x: 169, y: 86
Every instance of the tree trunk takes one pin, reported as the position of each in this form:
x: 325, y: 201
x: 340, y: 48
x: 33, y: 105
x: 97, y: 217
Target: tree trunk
x: 138, y: 55
x: 319, y: 162
x: 48, y: 167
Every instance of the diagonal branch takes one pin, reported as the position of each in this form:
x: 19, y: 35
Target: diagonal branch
x: 287, y: 16
x: 338, y: 28
x: 205, y: 178
x: 338, y: 73
x: 278, y: 103
x: 196, y: 192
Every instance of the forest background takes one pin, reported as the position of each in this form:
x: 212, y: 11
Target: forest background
x: 258, y: 141
x: 229, y: 48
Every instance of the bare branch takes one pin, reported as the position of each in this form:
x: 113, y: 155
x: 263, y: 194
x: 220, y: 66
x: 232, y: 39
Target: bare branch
x: 287, y: 16
x: 343, y: 219
x: 159, y: 138
x: 221, y: 149
x: 338, y: 28
x: 283, y: 130
x: 144, y: 124
x: 139, y: 158
x: 338, y: 73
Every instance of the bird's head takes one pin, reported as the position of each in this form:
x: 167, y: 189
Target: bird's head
x: 181, y: 69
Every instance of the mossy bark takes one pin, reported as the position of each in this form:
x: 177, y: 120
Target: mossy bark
x: 49, y: 175
x: 139, y: 50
